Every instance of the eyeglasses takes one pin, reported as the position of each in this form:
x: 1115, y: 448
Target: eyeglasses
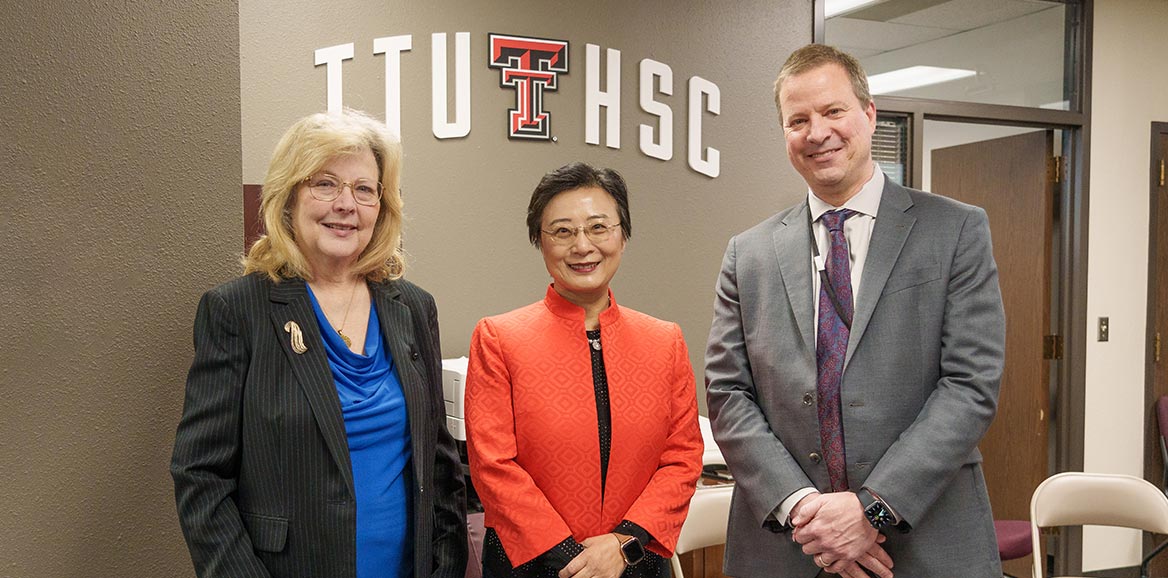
x: 327, y: 188
x: 597, y: 233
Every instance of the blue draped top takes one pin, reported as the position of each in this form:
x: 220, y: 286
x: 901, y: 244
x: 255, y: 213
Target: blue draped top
x: 378, y: 431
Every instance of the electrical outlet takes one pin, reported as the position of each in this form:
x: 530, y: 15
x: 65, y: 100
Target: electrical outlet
x: 1104, y: 328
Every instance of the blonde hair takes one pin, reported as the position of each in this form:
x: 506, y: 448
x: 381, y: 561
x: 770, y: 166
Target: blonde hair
x: 304, y: 149
x: 813, y: 56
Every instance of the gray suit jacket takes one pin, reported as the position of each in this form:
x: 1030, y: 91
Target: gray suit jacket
x: 919, y: 387
x: 261, y: 466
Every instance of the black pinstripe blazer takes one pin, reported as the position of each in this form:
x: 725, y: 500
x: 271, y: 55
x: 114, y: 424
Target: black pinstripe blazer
x: 262, y: 476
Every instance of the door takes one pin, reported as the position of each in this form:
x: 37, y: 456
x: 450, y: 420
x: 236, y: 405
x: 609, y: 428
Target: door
x: 1011, y: 178
x: 1157, y: 367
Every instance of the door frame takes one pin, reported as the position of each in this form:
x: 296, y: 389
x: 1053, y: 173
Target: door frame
x: 977, y: 169
x: 1068, y: 406
x: 1069, y: 273
x: 1155, y: 207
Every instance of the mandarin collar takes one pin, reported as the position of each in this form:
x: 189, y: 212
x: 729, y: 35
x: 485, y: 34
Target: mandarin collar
x: 567, y: 310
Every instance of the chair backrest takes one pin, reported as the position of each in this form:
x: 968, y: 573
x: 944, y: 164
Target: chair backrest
x: 1077, y: 499
x: 711, y: 454
x: 705, y: 524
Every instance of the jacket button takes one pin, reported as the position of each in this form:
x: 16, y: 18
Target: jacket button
x: 808, y: 398
x: 414, y: 355
x: 815, y: 457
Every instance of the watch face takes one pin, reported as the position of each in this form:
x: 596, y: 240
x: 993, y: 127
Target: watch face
x: 633, y: 551
x: 878, y: 515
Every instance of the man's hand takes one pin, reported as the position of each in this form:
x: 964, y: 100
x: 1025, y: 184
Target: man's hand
x: 799, y: 505
x: 875, y: 559
x: 601, y: 558
x: 833, y: 528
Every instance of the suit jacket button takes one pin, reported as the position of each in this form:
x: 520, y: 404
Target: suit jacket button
x: 815, y: 457
x: 414, y: 355
x: 808, y: 398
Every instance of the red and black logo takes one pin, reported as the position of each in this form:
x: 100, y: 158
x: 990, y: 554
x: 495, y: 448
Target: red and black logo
x: 530, y: 65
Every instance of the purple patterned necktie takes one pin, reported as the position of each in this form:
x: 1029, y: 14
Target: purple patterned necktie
x: 831, y: 344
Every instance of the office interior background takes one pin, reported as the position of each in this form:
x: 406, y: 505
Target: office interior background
x: 131, y: 131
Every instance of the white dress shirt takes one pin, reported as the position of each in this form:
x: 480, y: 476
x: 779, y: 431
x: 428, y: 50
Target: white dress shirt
x: 858, y: 232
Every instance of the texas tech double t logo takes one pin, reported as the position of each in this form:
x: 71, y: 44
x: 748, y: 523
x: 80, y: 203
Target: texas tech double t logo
x: 530, y: 65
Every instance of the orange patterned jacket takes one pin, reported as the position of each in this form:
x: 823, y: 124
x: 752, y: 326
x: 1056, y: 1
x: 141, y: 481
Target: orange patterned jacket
x: 532, y: 434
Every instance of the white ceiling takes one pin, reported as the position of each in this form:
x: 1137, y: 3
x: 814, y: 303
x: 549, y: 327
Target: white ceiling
x: 896, y: 24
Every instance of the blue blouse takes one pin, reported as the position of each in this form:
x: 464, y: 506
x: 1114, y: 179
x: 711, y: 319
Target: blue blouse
x: 378, y: 430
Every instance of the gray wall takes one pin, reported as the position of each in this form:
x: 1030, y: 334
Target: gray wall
x: 466, y: 198
x: 121, y: 174
x: 123, y: 159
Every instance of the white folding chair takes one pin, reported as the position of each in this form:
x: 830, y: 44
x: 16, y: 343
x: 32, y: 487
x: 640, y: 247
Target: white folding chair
x: 1078, y: 499
x: 705, y: 525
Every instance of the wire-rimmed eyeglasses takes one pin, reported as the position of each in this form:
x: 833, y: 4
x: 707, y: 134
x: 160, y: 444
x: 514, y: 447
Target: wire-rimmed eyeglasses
x: 597, y: 232
x: 326, y: 187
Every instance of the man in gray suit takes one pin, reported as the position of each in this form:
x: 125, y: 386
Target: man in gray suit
x: 855, y: 358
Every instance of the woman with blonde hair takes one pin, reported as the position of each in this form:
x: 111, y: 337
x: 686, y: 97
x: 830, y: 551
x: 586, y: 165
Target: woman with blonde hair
x: 313, y: 438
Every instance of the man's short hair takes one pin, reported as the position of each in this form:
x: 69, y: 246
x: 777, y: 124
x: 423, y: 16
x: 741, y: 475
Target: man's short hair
x: 813, y: 56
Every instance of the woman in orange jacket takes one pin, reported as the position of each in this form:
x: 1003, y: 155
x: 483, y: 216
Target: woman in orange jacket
x: 582, y: 423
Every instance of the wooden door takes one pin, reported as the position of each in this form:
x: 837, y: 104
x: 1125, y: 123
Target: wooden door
x: 1157, y: 354
x: 704, y: 563
x: 1012, y: 179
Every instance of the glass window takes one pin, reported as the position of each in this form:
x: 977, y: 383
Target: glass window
x: 890, y: 146
x: 1011, y: 52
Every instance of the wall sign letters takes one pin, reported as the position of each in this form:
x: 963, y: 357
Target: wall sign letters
x: 531, y: 67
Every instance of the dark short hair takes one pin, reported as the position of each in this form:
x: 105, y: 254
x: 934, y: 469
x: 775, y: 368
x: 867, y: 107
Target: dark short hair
x: 813, y: 56
x: 574, y: 176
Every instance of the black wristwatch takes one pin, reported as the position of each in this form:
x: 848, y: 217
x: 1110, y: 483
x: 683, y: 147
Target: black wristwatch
x: 632, y: 551
x: 875, y: 510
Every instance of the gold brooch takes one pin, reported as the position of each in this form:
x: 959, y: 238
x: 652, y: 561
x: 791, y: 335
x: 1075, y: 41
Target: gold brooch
x: 297, y: 337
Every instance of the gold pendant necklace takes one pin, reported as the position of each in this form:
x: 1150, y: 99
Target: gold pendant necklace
x: 345, y: 338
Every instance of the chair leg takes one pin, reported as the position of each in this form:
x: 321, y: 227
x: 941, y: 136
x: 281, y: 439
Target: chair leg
x: 1148, y: 559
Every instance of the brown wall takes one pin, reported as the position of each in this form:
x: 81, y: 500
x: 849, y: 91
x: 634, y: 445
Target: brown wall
x: 121, y: 171
x: 123, y: 153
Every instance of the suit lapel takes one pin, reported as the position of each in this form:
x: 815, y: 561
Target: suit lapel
x: 793, y: 249
x: 397, y: 331
x: 892, y: 228
x: 290, y: 302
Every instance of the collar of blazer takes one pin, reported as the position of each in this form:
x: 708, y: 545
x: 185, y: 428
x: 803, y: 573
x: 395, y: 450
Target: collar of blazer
x: 792, y: 242
x: 290, y: 302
